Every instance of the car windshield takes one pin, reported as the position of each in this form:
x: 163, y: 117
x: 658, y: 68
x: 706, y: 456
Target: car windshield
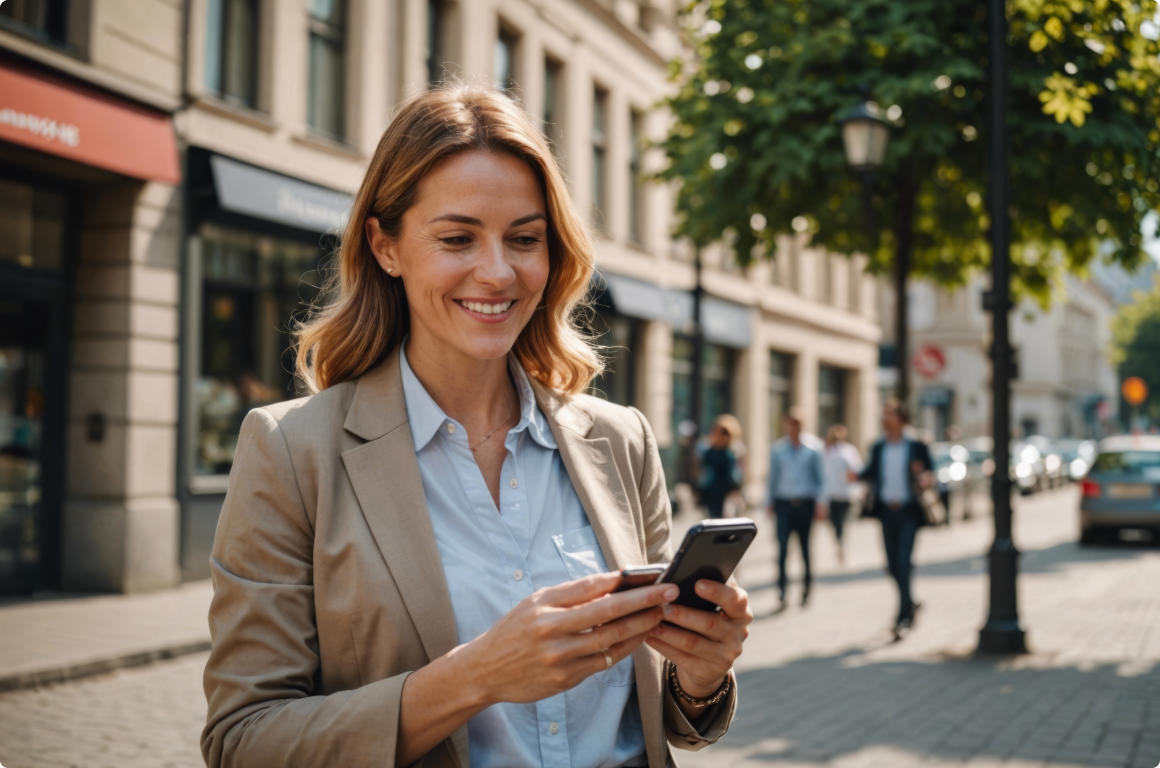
x: 1127, y: 461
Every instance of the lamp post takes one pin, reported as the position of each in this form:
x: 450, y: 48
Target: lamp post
x: 865, y: 135
x: 1002, y: 633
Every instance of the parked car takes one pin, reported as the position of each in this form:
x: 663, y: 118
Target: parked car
x: 1028, y: 471
x: 1122, y: 488
x: 1078, y: 456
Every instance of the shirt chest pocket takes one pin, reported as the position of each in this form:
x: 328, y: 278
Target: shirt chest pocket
x: 581, y: 554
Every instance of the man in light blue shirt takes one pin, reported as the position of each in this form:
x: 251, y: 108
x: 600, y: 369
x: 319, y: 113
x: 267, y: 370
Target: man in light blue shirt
x: 797, y: 489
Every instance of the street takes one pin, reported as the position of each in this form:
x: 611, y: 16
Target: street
x: 821, y: 685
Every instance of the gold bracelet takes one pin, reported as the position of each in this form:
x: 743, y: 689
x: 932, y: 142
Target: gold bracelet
x: 714, y: 699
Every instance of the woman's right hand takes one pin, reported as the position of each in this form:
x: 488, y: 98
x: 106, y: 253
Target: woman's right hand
x: 552, y: 640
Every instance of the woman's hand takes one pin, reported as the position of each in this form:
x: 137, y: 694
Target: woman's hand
x: 553, y: 640
x: 701, y: 644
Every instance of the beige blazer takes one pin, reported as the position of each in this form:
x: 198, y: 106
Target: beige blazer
x: 329, y: 590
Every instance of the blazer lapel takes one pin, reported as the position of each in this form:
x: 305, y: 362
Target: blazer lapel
x: 385, y: 474
x: 594, y: 475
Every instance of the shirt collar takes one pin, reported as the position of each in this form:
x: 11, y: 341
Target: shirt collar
x: 426, y: 417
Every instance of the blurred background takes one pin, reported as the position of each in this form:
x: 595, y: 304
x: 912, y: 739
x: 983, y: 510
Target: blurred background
x: 790, y: 207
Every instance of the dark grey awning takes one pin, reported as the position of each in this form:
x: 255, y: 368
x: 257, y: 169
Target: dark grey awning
x: 637, y: 298
x: 725, y: 322
x: 271, y: 196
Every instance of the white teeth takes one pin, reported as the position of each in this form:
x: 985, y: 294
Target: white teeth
x: 487, y: 309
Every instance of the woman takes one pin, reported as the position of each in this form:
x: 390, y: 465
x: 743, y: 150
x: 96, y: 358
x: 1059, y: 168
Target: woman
x: 412, y: 563
x: 843, y: 463
x: 720, y: 467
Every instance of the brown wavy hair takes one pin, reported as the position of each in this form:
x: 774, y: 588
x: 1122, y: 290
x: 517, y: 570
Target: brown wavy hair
x: 362, y: 313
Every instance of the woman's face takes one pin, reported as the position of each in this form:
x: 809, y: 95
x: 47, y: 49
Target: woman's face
x: 472, y: 254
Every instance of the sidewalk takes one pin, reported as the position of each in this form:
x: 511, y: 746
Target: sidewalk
x: 55, y: 639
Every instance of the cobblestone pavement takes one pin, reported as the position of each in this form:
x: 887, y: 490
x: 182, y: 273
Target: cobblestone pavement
x: 821, y: 686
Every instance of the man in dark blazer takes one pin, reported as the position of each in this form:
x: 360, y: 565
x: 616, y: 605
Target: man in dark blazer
x: 897, y: 465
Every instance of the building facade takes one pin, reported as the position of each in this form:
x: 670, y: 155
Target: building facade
x: 1065, y: 387
x: 168, y: 287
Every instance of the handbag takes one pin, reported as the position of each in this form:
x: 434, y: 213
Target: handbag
x: 934, y: 512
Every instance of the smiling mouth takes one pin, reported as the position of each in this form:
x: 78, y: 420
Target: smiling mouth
x: 482, y: 308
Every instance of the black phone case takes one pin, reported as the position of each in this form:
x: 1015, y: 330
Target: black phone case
x: 711, y: 550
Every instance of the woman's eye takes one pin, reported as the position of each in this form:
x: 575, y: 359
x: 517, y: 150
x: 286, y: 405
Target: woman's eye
x: 457, y: 240
x: 527, y: 240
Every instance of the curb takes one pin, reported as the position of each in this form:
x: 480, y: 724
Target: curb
x: 42, y: 677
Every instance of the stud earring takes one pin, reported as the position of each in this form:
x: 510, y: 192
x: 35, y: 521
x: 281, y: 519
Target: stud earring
x: 390, y: 270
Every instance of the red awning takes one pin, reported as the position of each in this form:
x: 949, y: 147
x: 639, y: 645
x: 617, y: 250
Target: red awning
x: 86, y: 125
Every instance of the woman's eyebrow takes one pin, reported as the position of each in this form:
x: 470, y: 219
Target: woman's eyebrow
x: 529, y: 218
x: 459, y: 218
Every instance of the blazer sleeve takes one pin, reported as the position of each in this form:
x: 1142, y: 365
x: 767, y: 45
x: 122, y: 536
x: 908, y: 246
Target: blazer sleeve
x: 869, y: 473
x: 658, y: 527
x: 262, y: 673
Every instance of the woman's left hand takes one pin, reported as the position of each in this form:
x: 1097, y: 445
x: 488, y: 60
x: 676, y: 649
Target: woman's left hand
x: 701, y: 644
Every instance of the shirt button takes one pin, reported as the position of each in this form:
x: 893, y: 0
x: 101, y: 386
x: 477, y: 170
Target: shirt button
x: 517, y: 576
x: 554, y: 728
x: 514, y: 483
x: 450, y: 427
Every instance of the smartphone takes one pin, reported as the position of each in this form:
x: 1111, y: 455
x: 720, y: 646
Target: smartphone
x: 711, y: 550
x: 640, y: 576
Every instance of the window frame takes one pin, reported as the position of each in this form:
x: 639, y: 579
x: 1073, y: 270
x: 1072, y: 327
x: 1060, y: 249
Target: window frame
x: 600, y: 146
x: 336, y: 35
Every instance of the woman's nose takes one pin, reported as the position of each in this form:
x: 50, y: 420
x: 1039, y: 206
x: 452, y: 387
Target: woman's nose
x: 493, y: 267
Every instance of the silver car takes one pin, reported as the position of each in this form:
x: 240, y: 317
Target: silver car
x: 1121, y: 491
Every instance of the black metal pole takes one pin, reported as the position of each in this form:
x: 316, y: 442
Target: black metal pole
x: 1002, y: 632
x: 697, y: 384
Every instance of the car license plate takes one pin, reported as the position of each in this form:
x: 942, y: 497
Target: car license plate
x: 1130, y: 491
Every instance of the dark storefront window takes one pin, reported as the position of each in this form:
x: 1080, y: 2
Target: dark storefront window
x: 831, y: 398
x: 780, y: 390
x: 253, y: 289
x: 45, y: 19
x: 326, y: 96
x: 617, y: 341
x: 717, y: 364
x: 31, y: 226
x: 32, y: 249
x: 231, y: 62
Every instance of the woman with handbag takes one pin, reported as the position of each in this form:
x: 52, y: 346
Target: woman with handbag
x: 413, y: 563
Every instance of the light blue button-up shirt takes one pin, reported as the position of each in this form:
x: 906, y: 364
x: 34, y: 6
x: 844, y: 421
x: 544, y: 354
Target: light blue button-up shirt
x: 539, y: 537
x: 795, y: 473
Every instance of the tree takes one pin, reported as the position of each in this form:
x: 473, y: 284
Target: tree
x: 757, y: 146
x: 1136, y: 346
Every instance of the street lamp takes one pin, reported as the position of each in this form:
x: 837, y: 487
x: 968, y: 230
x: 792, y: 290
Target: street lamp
x: 865, y: 135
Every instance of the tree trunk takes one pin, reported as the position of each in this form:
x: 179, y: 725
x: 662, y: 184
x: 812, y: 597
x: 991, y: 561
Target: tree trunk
x: 907, y: 186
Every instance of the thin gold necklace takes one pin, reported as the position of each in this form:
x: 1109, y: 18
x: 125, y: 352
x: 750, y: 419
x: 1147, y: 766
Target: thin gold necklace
x: 506, y: 419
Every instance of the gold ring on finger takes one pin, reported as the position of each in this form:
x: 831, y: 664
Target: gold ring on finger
x: 607, y: 658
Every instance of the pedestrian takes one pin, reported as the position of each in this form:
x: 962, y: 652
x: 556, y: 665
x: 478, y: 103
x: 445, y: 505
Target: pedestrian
x: 797, y: 485
x: 843, y: 463
x: 412, y: 565
x: 898, y: 469
x: 720, y: 466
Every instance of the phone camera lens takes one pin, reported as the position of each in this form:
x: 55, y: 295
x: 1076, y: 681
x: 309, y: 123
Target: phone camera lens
x: 747, y: 538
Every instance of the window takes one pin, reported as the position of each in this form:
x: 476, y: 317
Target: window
x: 780, y: 390
x: 635, y: 209
x: 616, y: 341
x: 434, y: 42
x: 253, y: 286
x: 831, y: 397
x: 717, y: 364
x: 44, y: 19
x: 553, y: 77
x: 599, y: 153
x: 231, y: 56
x: 505, y: 60
x: 32, y: 224
x: 326, y: 97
